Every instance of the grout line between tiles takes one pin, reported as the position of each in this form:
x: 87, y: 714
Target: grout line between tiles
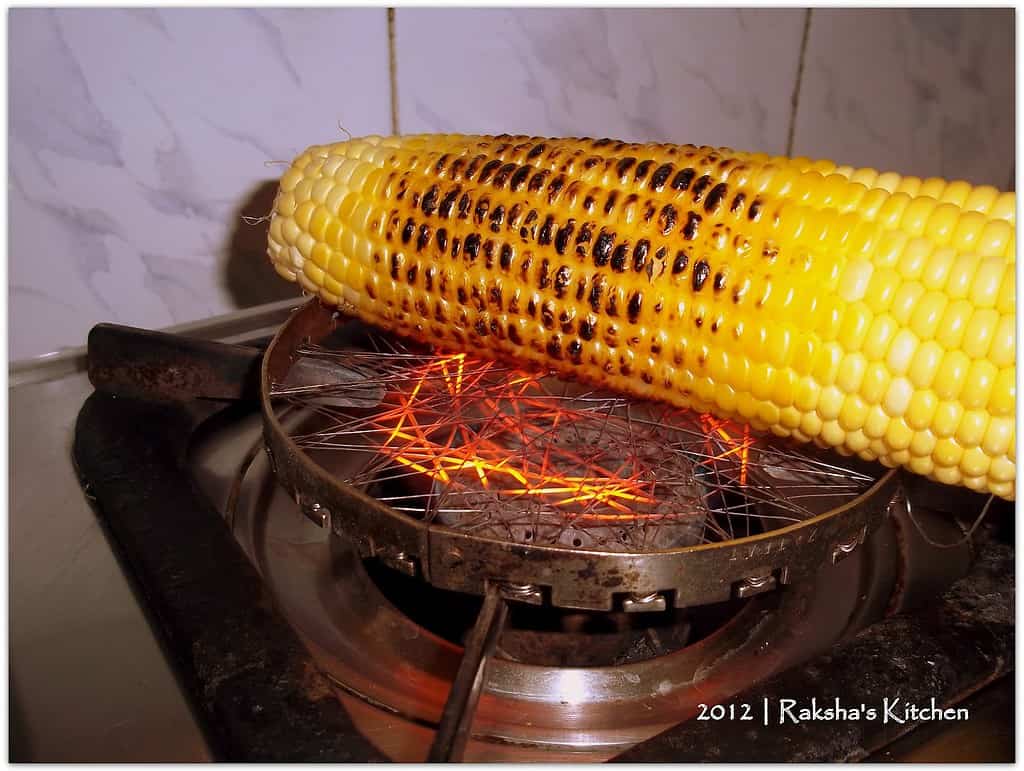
x: 393, y: 70
x: 795, y: 101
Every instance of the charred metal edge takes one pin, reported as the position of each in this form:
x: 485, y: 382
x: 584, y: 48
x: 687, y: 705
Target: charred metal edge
x: 948, y: 652
x: 162, y: 367
x: 255, y: 685
x: 569, y: 578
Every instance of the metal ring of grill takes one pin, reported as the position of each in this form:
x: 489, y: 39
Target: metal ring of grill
x: 566, y: 575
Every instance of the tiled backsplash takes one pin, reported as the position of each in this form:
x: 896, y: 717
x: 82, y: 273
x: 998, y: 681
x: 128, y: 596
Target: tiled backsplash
x: 140, y: 138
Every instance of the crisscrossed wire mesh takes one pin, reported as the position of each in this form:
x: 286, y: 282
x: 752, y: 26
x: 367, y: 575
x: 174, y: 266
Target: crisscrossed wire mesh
x: 526, y: 457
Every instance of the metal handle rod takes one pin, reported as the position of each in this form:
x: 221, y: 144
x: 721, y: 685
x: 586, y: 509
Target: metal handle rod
x: 457, y: 716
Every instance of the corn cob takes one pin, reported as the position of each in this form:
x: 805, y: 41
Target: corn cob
x: 867, y: 312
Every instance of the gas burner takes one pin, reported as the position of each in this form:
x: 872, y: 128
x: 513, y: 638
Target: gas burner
x: 445, y: 538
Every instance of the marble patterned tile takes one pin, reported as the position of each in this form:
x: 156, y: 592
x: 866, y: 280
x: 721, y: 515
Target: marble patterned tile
x: 722, y: 77
x: 928, y: 92
x: 139, y: 138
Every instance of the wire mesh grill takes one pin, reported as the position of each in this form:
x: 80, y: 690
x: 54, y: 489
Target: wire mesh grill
x: 522, y: 456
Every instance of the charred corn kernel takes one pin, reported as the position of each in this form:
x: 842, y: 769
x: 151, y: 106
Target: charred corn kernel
x: 868, y: 312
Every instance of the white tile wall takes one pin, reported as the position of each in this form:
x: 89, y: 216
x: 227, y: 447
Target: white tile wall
x: 721, y: 77
x: 928, y: 92
x: 138, y: 137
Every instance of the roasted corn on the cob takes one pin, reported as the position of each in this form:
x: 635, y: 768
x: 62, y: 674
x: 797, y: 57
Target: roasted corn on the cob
x: 867, y: 312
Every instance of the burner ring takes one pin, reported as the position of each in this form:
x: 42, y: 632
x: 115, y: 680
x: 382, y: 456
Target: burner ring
x: 570, y: 578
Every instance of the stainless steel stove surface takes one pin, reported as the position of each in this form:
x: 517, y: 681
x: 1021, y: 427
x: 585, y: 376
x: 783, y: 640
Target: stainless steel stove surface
x: 92, y: 680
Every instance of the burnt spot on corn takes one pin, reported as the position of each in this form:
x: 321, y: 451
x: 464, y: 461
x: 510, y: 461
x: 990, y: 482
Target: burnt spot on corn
x: 480, y: 213
x: 537, y: 181
x: 456, y: 246
x: 442, y: 239
x: 641, y: 171
x: 660, y: 177
x: 737, y: 203
x: 430, y: 199
x: 583, y: 238
x: 519, y: 178
x: 562, y: 278
x: 503, y: 174
x: 488, y: 170
x: 754, y: 212
x: 396, y: 265
x: 410, y: 275
x: 537, y: 150
x: 587, y: 328
x: 770, y: 251
x: 408, y: 230
x: 701, y: 271
x: 609, y: 203
x: 603, y: 248
x: 667, y: 218
x: 554, y: 347
x: 544, y: 278
x: 547, y: 315
x: 679, y: 264
x: 581, y: 288
x: 692, y: 226
x: 640, y: 251
x: 565, y: 319
x: 472, y: 247
x: 719, y: 281
x: 526, y: 232
x: 555, y: 187
x: 497, y: 218
x: 545, y: 235
x: 619, y: 257
x: 505, y: 259
x: 489, y: 253
x: 515, y: 214
x: 588, y: 204
x: 715, y: 197
x: 575, y: 350
x: 622, y: 168
x: 423, y: 239
x: 596, y: 290
x: 564, y: 234
x: 649, y: 209
x: 524, y: 269
x: 465, y: 203
x: 700, y: 187
x: 683, y: 179
x: 513, y: 334
x: 428, y: 278
x: 455, y: 168
x: 636, y: 301
x: 444, y: 209
x: 612, y: 308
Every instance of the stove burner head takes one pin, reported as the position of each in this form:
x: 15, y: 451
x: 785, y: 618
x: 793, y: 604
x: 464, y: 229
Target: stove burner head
x: 523, y: 457
x: 467, y: 472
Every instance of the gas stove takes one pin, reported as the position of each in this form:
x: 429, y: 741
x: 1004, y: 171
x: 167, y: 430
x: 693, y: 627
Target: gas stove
x: 438, y: 601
